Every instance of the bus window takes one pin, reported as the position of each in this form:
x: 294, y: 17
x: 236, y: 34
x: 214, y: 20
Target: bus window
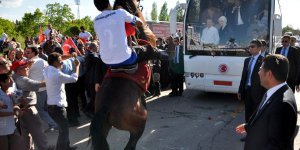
x: 226, y: 27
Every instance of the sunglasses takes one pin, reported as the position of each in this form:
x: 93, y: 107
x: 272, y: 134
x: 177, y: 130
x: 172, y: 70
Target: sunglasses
x: 284, y: 41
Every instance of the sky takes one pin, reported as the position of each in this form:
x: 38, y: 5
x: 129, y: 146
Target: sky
x: 15, y: 9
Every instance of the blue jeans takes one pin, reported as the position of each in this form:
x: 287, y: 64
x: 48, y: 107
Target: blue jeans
x: 130, y: 61
x: 41, y: 103
x: 59, y: 114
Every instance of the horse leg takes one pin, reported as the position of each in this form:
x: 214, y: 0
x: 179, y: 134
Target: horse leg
x: 99, y: 130
x: 134, y: 137
x: 143, y: 101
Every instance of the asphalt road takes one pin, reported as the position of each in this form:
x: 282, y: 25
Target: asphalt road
x: 194, y: 121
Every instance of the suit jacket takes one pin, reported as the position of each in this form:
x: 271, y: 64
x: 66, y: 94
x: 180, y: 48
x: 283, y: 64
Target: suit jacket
x: 273, y: 127
x: 294, y: 64
x: 266, y: 54
x: 232, y: 15
x: 225, y: 34
x: 257, y: 91
x: 177, y: 67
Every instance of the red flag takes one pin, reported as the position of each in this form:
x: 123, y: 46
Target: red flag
x: 41, y: 36
x: 130, y: 30
x: 67, y: 45
x: 83, y: 40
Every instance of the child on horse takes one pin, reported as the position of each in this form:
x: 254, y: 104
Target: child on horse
x: 110, y: 28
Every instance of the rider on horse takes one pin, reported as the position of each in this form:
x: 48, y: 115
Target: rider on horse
x: 110, y: 28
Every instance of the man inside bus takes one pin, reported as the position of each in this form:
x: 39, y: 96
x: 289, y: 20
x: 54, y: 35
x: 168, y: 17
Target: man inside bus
x: 210, y: 34
x: 292, y: 55
x: 250, y: 90
x: 238, y: 19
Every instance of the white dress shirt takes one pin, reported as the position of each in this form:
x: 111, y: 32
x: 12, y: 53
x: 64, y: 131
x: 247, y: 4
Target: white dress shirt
x: 251, y: 68
x: 36, y: 70
x: 210, y: 35
x: 55, y: 86
x: 85, y: 35
x: 271, y: 91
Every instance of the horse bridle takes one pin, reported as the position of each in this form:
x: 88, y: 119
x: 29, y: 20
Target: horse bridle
x: 140, y: 6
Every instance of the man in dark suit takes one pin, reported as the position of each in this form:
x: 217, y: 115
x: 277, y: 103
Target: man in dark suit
x: 177, y: 69
x: 292, y: 55
x: 250, y: 89
x: 273, y: 124
x: 238, y: 19
x: 264, y: 48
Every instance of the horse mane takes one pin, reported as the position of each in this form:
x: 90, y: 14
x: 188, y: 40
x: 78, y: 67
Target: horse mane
x: 132, y: 7
x: 128, y: 5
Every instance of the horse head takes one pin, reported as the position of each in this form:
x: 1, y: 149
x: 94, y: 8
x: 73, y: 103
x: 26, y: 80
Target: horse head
x: 133, y: 7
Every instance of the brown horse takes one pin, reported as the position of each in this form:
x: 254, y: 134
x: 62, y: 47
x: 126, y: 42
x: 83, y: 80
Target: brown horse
x: 119, y: 103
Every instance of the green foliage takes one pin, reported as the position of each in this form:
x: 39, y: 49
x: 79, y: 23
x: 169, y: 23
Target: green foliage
x: 7, y: 27
x: 58, y: 15
x: 29, y: 25
x: 179, y: 14
x: 72, y: 31
x: 154, y: 12
x: 163, y: 16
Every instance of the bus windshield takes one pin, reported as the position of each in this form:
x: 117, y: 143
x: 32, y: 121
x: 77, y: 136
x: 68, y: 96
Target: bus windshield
x: 227, y: 25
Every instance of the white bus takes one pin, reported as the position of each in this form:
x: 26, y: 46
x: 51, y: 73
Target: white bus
x: 214, y: 53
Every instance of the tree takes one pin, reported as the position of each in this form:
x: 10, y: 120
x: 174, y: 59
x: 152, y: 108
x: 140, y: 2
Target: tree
x: 72, y: 31
x: 7, y: 27
x: 29, y: 25
x: 163, y: 16
x: 86, y: 22
x: 289, y: 28
x: 179, y: 13
x: 58, y: 15
x: 154, y: 12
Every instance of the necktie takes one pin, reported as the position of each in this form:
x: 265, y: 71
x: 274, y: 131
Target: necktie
x: 249, y: 71
x: 176, y: 55
x: 283, y: 52
x: 261, y: 104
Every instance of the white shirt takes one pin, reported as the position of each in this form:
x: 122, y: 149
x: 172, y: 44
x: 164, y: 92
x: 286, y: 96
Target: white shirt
x: 271, y: 91
x: 251, y: 68
x: 210, y: 35
x: 240, y: 20
x: 263, y: 54
x: 110, y: 28
x: 36, y: 70
x: 47, y: 33
x: 4, y: 37
x: 85, y: 35
x: 55, y: 79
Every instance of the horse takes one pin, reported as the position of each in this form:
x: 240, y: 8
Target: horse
x: 120, y: 103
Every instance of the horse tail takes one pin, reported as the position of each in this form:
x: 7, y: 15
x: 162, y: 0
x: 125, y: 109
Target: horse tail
x: 96, y: 130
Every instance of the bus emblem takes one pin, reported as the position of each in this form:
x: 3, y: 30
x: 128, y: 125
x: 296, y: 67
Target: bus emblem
x: 223, y: 68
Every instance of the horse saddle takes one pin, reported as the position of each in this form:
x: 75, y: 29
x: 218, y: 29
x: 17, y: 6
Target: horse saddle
x: 127, y: 69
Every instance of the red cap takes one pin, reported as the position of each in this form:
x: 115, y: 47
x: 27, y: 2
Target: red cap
x: 18, y: 63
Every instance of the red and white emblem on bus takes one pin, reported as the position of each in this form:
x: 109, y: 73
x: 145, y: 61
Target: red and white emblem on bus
x: 223, y: 68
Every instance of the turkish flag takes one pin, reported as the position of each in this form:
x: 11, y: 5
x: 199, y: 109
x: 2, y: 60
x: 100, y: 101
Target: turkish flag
x: 83, y: 40
x: 130, y: 30
x: 41, y: 35
x: 67, y: 45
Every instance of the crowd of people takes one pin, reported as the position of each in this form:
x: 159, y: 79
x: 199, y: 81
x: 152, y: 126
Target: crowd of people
x: 53, y: 82
x: 44, y: 82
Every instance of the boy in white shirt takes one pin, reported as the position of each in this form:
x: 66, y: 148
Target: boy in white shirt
x: 110, y: 28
